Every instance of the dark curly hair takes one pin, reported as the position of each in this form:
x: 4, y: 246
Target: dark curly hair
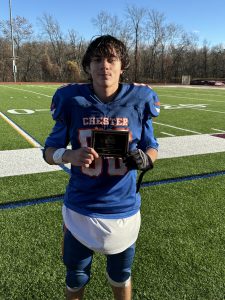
x: 103, y: 46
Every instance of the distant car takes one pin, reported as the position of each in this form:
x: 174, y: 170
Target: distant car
x: 219, y: 83
x: 211, y: 82
x: 198, y: 82
x: 207, y: 82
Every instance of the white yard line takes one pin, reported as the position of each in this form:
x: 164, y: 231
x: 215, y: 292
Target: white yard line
x: 23, y: 161
x: 179, y: 128
x: 28, y: 91
x: 214, y: 111
x: 190, y: 98
x: 166, y: 133
x: 24, y: 134
x: 179, y: 146
x: 220, y: 130
x: 29, y: 161
x: 222, y: 88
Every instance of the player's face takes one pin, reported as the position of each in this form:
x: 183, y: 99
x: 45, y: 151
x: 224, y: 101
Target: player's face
x: 105, y: 71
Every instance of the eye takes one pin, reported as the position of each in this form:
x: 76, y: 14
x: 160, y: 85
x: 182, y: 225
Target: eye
x: 96, y: 59
x: 112, y: 59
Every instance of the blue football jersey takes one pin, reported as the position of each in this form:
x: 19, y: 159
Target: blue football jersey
x: 106, y: 189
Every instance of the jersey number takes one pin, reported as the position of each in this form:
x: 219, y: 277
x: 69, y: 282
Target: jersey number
x: 115, y: 165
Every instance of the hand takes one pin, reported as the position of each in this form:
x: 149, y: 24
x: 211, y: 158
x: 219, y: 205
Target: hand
x: 82, y: 157
x: 137, y: 159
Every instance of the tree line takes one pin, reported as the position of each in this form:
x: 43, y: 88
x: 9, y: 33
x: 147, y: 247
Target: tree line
x: 159, y: 51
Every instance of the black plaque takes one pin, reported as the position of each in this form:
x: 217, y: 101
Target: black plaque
x: 112, y: 143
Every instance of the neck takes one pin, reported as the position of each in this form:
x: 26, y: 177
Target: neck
x: 106, y: 94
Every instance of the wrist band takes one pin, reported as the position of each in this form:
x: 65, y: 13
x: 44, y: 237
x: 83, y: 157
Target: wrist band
x: 57, y: 156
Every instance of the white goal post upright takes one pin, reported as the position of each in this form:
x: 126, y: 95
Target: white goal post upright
x: 12, y: 40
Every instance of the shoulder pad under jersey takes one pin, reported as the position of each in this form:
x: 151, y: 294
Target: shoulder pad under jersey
x: 150, y: 97
x: 59, y: 105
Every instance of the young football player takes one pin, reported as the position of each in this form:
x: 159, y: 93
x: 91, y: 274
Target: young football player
x: 101, y: 209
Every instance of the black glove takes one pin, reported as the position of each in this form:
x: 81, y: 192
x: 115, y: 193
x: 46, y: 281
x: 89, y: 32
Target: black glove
x: 138, y: 160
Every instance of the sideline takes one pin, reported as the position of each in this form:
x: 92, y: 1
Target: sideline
x: 22, y: 132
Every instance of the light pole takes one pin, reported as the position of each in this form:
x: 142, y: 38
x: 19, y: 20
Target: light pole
x: 12, y: 39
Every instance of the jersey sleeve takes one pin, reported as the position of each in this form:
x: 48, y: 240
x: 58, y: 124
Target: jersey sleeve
x: 152, y: 110
x: 59, y: 136
x: 148, y: 139
x: 58, y: 107
x: 153, y: 104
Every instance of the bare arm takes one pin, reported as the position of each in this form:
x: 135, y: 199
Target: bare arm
x: 81, y: 157
x: 152, y: 153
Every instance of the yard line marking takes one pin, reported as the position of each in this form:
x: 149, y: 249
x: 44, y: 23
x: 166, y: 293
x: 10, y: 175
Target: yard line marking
x: 47, y: 86
x: 220, y: 130
x: 179, y: 146
x: 42, y: 109
x: 215, y: 111
x: 183, y: 129
x: 190, y: 98
x: 26, y: 161
x: 166, y: 133
x: 188, y: 106
x: 24, y: 134
x: 23, y: 90
x: 30, y: 161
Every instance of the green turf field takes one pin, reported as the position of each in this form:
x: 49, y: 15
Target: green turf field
x: 181, y: 247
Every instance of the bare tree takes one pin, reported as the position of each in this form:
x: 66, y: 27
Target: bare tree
x: 73, y: 71
x: 30, y: 66
x: 217, y: 62
x: 155, y: 32
x: 159, y: 51
x: 5, y: 61
x: 107, y: 24
x: 51, y: 29
x: 22, y: 30
x: 76, y: 47
x: 135, y: 19
x: 50, y: 70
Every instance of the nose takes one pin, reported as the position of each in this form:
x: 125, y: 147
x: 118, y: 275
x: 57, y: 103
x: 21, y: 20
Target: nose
x: 104, y: 63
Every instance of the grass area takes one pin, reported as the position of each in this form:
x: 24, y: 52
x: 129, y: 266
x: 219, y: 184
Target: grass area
x: 197, y: 110
x: 32, y: 186
x: 29, y: 108
x: 180, y: 250
x: 30, y: 258
x: 39, y: 129
x: 186, y: 166
x: 15, y: 142
x: 182, y: 241
x: 176, y: 110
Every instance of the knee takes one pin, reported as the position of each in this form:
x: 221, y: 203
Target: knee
x: 119, y: 267
x: 76, y: 279
x: 119, y: 282
x: 77, y: 258
x: 118, y: 277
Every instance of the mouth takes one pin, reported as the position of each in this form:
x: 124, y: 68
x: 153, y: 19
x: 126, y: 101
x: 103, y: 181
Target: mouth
x: 105, y: 75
